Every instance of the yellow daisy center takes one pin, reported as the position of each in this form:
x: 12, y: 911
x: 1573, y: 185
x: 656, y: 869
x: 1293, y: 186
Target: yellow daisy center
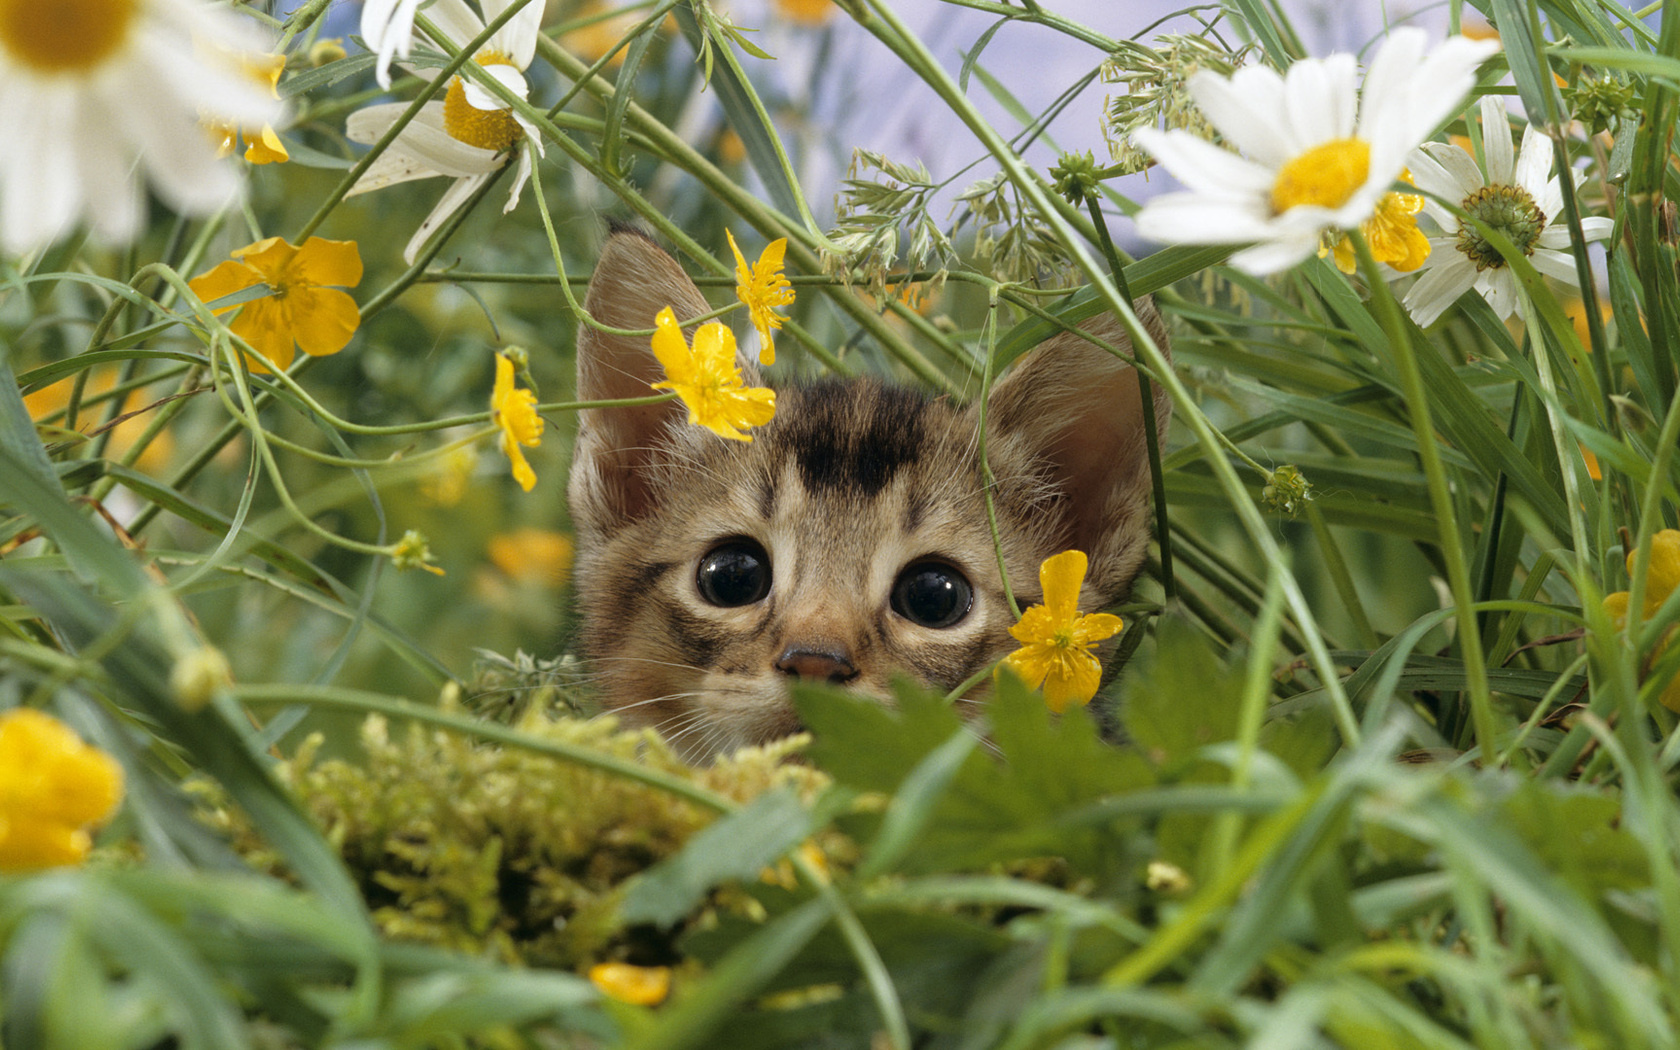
x: 1326, y: 175
x: 64, y: 36
x: 491, y: 129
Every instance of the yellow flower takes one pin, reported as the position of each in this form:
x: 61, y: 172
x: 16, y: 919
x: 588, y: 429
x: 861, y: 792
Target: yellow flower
x: 53, y: 787
x: 805, y: 12
x: 706, y: 378
x: 539, y: 556
x: 1056, y: 640
x: 1391, y: 231
x: 262, y: 144
x: 761, y: 288
x: 1662, y: 576
x: 301, y: 308
x: 637, y: 985
x: 514, y: 409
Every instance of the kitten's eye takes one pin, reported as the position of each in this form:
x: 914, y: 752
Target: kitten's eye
x: 736, y: 572
x: 932, y: 594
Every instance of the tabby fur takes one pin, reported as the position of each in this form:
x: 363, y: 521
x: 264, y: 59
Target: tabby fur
x: 853, y: 480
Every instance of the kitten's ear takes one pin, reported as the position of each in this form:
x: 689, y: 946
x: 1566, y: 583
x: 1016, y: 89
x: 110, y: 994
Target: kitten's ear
x: 1074, y: 410
x: 618, y: 449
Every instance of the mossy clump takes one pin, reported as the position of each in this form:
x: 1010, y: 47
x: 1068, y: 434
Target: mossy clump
x: 502, y: 851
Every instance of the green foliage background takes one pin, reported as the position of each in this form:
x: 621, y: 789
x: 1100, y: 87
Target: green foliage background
x: 1353, y: 808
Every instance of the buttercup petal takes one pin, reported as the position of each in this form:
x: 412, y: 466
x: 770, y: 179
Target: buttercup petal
x: 320, y: 261
x: 323, y: 319
x: 1061, y: 577
x: 224, y: 279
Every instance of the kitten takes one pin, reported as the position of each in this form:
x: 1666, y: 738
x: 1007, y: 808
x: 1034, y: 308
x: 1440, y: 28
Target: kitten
x: 848, y: 541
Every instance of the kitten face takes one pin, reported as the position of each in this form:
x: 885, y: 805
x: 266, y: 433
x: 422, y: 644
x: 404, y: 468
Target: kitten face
x: 848, y: 542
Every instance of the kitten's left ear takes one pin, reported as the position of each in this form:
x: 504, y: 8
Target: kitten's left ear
x: 1073, y: 410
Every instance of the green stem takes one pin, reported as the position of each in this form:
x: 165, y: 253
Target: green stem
x: 1151, y: 435
x: 1416, y: 398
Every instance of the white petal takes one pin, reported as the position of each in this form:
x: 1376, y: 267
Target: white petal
x: 1499, y: 287
x: 179, y: 159
x: 521, y: 174
x: 40, y: 195
x: 1247, y: 109
x: 1447, y: 274
x: 517, y: 39
x: 1189, y: 218
x: 388, y: 28
x: 425, y: 140
x: 1204, y: 167
x: 391, y: 168
x: 116, y: 202
x: 1550, y: 201
x: 1269, y: 257
x: 511, y: 78
x: 456, y: 20
x: 1459, y: 166
x: 1555, y: 264
x: 165, y: 72
x: 370, y: 123
x: 1593, y: 227
x: 1441, y: 82
x: 1534, y: 162
x: 1496, y: 141
x: 1386, y: 94
x: 1318, y: 97
x: 451, y: 202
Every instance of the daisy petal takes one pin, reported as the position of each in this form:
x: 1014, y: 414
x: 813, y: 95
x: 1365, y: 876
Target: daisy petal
x: 1245, y: 108
x: 1557, y: 265
x: 1534, y: 163
x: 1441, y: 284
x: 451, y: 201
x: 1189, y: 218
x: 1496, y: 141
x: 1204, y: 167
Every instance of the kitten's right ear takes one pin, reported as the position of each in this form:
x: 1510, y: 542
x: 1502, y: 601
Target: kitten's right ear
x: 613, y: 461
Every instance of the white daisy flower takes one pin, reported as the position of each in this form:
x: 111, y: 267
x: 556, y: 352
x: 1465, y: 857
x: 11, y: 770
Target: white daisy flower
x: 93, y: 92
x: 1516, y: 194
x: 388, y: 30
x: 470, y: 135
x: 1308, y: 166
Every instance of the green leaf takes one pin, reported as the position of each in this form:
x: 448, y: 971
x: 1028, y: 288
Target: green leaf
x: 1182, y: 698
x: 735, y: 96
x: 736, y: 847
x: 18, y: 440
x: 973, y: 54
x: 1577, y: 831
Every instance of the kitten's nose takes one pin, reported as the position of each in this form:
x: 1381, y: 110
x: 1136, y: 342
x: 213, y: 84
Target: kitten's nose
x: 833, y: 665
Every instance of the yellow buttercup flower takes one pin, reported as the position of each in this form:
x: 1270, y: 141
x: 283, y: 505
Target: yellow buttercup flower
x: 1661, y: 577
x: 637, y: 985
x: 1391, y: 231
x: 537, y: 556
x: 761, y: 287
x: 1056, y: 641
x: 305, y: 307
x: 514, y: 409
x: 805, y: 12
x: 706, y: 378
x: 53, y: 788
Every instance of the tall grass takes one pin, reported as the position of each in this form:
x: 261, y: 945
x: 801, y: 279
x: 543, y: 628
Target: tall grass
x: 1391, y: 775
